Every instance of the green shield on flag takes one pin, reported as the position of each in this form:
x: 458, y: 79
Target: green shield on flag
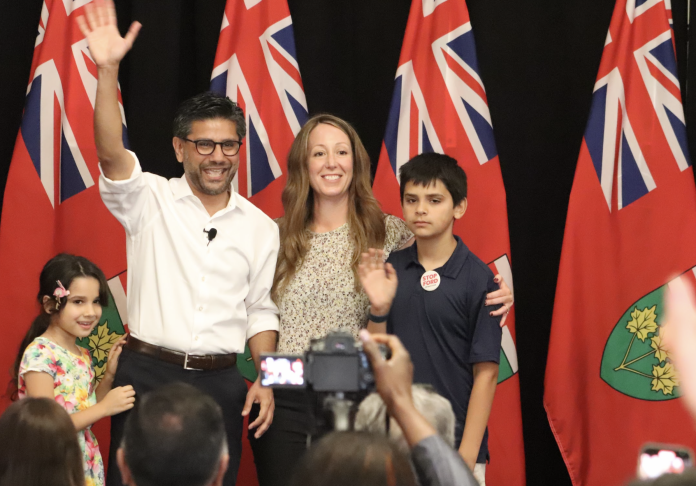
x: 635, y: 361
x: 109, y: 330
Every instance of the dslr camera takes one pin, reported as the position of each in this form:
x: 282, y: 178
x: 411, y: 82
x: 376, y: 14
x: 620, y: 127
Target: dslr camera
x: 335, y: 363
x: 335, y: 372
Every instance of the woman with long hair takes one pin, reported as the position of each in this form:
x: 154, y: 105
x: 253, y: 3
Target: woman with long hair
x: 331, y: 218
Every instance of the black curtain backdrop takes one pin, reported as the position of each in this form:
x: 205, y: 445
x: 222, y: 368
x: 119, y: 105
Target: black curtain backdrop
x: 538, y: 61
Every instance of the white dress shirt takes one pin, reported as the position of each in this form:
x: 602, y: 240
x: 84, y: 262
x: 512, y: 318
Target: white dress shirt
x: 184, y: 293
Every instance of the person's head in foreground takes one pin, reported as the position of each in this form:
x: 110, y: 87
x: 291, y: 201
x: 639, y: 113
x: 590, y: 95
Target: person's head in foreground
x: 433, y: 194
x: 354, y: 458
x: 372, y: 415
x: 39, y: 445
x: 174, y: 437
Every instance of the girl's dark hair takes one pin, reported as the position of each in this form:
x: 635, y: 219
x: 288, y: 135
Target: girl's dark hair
x: 350, y: 458
x: 39, y: 445
x: 64, y: 268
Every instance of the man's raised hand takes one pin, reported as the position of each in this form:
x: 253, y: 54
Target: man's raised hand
x: 105, y: 42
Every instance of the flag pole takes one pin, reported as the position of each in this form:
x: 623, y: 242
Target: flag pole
x: 688, y: 42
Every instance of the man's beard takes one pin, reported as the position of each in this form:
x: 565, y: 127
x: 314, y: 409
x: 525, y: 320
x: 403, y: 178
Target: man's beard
x: 196, y: 179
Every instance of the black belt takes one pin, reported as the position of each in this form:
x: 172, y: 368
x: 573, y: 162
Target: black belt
x: 206, y: 362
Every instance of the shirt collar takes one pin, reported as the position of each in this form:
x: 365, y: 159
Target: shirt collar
x: 180, y: 189
x: 452, y: 267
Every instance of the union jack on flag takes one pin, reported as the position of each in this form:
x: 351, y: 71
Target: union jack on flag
x: 610, y: 135
x: 52, y: 201
x: 46, y: 126
x: 439, y: 104
x: 256, y: 66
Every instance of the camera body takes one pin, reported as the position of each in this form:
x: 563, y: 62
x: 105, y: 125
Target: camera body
x: 335, y: 363
x: 334, y: 372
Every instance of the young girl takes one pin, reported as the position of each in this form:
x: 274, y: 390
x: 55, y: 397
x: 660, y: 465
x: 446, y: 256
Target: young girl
x: 50, y: 363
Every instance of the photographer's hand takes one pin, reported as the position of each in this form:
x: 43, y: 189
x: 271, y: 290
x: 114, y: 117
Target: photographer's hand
x: 435, y: 462
x: 394, y: 378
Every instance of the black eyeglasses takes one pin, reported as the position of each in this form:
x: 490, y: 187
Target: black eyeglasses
x: 207, y: 147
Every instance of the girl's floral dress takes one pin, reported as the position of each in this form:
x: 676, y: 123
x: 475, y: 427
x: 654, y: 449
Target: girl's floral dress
x: 73, y: 388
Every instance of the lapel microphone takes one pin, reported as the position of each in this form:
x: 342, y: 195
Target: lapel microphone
x: 211, y: 233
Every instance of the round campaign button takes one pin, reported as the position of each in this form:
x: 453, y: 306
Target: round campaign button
x: 430, y: 280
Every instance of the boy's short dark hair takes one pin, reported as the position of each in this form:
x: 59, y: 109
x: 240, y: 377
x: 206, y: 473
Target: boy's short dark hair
x: 424, y: 169
x: 175, y: 436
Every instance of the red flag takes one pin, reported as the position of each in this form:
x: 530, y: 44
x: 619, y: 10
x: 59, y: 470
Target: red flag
x: 256, y: 66
x: 439, y: 104
x: 610, y: 384
x: 52, y: 201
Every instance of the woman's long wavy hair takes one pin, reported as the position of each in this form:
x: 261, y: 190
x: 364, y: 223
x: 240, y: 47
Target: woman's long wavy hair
x: 365, y: 218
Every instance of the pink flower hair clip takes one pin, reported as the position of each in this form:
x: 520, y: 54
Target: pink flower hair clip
x: 59, y: 293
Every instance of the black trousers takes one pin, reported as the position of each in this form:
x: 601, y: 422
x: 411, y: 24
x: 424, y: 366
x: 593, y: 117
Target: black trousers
x: 227, y: 387
x: 279, y: 450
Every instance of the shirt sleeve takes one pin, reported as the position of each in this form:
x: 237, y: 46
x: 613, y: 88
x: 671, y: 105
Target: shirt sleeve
x: 487, y: 335
x: 262, y: 313
x: 126, y: 199
x: 437, y: 464
x: 38, y: 357
x: 396, y: 233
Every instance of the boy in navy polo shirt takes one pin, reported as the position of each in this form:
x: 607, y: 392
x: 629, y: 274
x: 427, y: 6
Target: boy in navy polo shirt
x: 437, y: 304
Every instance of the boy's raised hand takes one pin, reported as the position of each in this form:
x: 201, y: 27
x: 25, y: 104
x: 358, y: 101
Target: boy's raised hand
x: 105, y: 42
x: 379, y: 281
